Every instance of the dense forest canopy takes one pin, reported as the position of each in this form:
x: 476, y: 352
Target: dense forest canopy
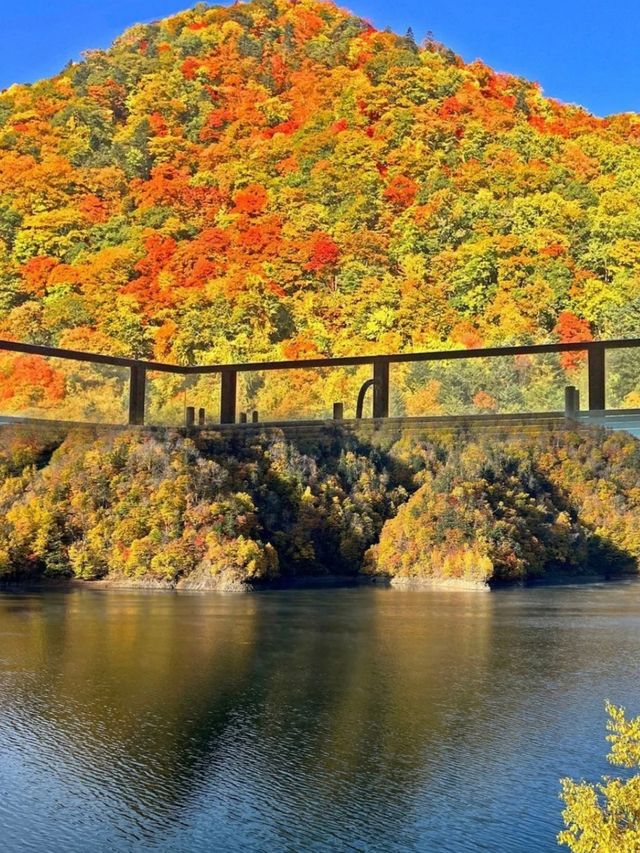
x: 148, y: 506
x: 279, y: 179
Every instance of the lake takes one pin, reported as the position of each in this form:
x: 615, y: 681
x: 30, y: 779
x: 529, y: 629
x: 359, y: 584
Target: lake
x: 303, y: 720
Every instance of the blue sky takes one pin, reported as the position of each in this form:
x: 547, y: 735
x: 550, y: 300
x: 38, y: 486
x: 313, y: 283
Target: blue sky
x: 582, y: 51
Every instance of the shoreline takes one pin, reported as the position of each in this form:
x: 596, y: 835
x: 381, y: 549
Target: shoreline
x: 402, y: 584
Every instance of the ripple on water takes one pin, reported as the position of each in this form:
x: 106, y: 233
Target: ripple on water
x: 325, y: 720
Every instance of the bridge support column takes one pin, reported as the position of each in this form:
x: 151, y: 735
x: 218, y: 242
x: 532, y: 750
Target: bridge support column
x: 381, y: 388
x: 229, y: 381
x: 137, y: 385
x: 596, y: 363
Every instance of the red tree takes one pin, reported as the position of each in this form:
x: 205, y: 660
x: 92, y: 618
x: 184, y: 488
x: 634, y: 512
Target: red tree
x: 570, y: 328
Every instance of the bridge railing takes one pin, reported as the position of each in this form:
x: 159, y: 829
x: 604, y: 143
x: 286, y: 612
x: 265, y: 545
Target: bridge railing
x: 139, y: 370
x: 135, y: 370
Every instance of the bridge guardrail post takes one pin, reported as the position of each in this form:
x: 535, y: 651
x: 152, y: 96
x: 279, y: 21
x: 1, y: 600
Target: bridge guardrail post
x: 137, y: 385
x: 228, y: 383
x: 597, y: 378
x: 380, y: 388
x: 571, y: 401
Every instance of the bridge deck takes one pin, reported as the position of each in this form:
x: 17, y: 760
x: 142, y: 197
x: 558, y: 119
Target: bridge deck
x: 627, y: 419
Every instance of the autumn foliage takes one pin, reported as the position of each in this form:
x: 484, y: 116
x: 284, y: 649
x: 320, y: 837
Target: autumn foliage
x: 571, y: 329
x: 268, y: 171
x: 605, y: 816
x: 490, y: 510
x: 164, y: 509
x: 158, y: 507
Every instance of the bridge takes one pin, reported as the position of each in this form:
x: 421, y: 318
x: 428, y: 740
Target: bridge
x: 228, y: 418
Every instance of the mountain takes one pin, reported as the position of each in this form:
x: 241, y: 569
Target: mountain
x: 279, y: 179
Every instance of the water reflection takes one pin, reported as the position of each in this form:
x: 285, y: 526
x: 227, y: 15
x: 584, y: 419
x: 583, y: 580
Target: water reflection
x: 353, y: 719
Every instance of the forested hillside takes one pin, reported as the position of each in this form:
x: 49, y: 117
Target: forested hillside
x: 147, y: 507
x: 278, y: 179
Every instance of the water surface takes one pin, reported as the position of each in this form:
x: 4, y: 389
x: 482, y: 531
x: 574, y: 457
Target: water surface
x: 354, y: 719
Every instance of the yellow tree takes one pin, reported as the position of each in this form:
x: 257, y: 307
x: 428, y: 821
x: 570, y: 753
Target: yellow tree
x: 605, y: 817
